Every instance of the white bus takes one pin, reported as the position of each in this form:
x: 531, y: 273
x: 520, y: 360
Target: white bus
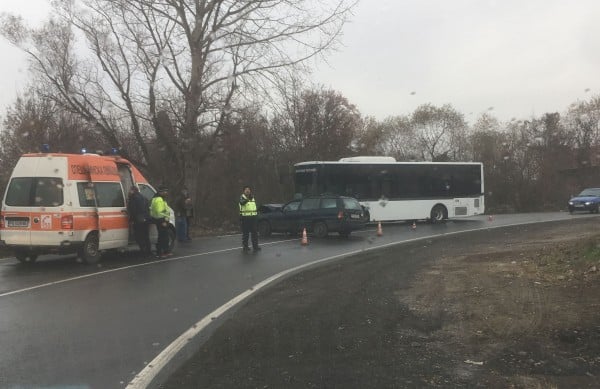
x: 391, y: 190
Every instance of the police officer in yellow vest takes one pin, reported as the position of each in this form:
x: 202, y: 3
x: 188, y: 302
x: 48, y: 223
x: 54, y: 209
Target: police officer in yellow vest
x: 248, y: 217
x: 160, y: 213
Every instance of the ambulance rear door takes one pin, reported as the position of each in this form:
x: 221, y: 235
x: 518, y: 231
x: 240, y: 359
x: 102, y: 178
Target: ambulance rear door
x: 34, y: 201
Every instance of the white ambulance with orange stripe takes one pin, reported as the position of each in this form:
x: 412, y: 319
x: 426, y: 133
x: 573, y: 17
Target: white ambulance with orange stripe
x: 69, y: 203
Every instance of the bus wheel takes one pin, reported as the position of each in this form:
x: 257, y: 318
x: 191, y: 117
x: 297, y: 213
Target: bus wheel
x: 25, y: 256
x: 264, y: 229
x: 438, y: 213
x: 90, y: 252
x: 320, y: 229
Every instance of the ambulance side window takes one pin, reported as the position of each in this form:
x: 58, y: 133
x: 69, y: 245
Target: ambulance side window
x: 87, y: 195
x: 146, y: 191
x: 109, y: 194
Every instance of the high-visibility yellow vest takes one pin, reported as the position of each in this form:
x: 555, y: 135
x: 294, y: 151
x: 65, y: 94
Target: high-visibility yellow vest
x: 248, y: 209
x: 159, y: 208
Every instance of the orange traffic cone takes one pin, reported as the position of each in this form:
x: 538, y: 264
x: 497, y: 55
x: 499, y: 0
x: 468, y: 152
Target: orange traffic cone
x: 414, y: 225
x: 379, y: 230
x: 304, y: 240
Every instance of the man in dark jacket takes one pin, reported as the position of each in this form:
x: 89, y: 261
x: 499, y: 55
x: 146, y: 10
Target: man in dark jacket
x: 248, y: 219
x: 184, y: 211
x: 139, y: 217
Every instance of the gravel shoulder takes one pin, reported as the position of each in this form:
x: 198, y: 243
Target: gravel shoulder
x: 514, y: 307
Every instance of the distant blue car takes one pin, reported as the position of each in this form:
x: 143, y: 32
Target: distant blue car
x: 588, y: 200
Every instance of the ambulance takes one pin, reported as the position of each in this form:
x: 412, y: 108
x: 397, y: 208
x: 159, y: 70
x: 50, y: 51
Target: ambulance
x: 70, y: 203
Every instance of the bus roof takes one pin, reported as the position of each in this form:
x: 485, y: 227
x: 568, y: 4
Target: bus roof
x: 345, y: 162
x: 368, y: 159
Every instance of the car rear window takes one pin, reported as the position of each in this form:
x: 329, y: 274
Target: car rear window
x: 35, y: 192
x: 310, y: 204
x: 292, y: 206
x: 329, y: 203
x: 352, y: 204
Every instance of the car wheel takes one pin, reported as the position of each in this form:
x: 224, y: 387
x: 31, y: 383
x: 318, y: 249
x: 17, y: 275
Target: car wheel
x: 264, y: 229
x: 25, y: 256
x: 320, y: 229
x: 90, y: 252
x: 438, y: 214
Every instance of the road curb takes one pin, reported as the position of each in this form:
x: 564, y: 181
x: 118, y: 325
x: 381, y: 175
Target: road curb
x: 161, y: 367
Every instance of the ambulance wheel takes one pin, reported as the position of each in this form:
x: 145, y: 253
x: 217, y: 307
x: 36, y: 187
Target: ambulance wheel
x: 90, y: 252
x: 25, y: 256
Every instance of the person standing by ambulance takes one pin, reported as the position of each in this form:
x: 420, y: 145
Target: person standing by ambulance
x: 160, y: 213
x: 137, y: 208
x: 248, y: 219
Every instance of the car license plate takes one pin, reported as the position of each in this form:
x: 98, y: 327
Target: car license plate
x: 579, y: 206
x: 17, y: 223
x: 354, y: 216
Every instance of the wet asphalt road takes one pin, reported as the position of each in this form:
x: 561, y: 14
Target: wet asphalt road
x: 63, y: 324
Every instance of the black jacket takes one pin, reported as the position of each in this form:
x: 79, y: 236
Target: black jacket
x: 138, y: 208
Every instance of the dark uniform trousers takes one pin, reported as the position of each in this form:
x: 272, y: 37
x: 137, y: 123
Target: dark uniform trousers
x: 249, y: 228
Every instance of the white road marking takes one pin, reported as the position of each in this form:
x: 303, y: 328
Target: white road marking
x: 149, y: 373
x: 18, y: 291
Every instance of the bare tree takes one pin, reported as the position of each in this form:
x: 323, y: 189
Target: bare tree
x: 582, y: 125
x: 32, y: 121
x: 317, y: 124
x: 440, y: 132
x: 172, y: 70
x: 399, y: 139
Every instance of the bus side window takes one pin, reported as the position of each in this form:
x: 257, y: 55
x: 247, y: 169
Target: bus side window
x: 386, y: 188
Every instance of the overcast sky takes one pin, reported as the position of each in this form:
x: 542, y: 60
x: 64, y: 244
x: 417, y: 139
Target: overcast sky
x: 520, y: 57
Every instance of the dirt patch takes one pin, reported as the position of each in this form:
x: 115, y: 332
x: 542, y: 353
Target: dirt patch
x: 516, y: 307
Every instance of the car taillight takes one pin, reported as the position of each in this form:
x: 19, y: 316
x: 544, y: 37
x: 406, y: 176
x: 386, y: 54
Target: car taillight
x: 66, y: 222
x: 1, y: 221
x: 340, y: 215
